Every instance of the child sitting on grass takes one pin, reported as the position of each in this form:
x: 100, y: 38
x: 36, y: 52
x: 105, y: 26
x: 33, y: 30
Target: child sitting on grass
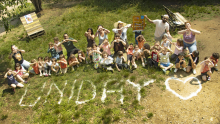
x: 10, y: 75
x: 55, y: 67
x: 166, y: 42
x: 136, y: 56
x: 34, y: 65
x: 164, y: 59
x: 140, y: 39
x: 89, y: 55
x: 180, y: 62
x: 145, y: 53
x: 106, y: 62
x: 206, y: 66
x: 129, y: 53
x: 73, y: 62
x: 63, y: 64
x: 153, y: 61
x: 214, y: 59
x: 96, y: 56
x: 21, y: 73
x: 106, y: 47
x: 193, y: 61
x: 40, y: 65
x: 178, y: 49
x: 120, y: 62
x: 81, y: 56
x: 52, y: 51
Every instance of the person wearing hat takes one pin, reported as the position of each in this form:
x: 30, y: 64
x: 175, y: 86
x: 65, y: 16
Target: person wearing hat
x: 121, y: 28
x: 118, y: 45
x: 53, y: 51
x: 102, y: 34
x: 68, y: 44
x: 162, y: 27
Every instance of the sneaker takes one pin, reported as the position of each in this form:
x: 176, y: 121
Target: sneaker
x: 175, y: 70
x: 135, y: 65
x: 143, y: 64
x: 25, y: 82
x: 164, y: 70
x: 49, y: 74
x: 43, y: 73
x: 184, y: 69
x: 209, y: 78
x: 194, y: 71
x: 40, y: 74
x: 46, y: 75
x: 110, y: 69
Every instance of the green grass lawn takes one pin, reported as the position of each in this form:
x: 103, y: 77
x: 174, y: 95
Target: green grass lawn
x: 75, y: 20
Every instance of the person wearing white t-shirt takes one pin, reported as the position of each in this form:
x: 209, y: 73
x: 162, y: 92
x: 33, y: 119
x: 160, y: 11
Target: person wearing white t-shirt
x: 162, y: 27
x: 164, y: 59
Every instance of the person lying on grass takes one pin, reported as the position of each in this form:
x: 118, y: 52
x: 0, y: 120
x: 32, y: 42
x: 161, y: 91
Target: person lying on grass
x: 193, y: 61
x: 205, y: 70
x: 73, y: 62
x: 164, y: 59
x: 10, y: 75
x: 106, y: 62
x: 120, y: 62
x: 55, y: 67
x: 21, y: 73
x: 180, y: 62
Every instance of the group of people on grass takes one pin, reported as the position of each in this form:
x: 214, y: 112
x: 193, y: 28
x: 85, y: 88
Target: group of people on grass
x: 125, y: 55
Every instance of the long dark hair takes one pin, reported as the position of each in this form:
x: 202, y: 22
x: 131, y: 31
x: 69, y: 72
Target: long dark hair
x: 91, y: 30
x: 18, y: 65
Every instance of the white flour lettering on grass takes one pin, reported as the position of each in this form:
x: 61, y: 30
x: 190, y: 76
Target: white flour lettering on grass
x: 93, y: 88
x: 181, y: 97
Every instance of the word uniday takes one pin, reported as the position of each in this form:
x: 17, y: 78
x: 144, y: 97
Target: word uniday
x: 104, y: 94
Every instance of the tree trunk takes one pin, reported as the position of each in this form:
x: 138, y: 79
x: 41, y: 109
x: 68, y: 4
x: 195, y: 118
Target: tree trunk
x: 37, y: 5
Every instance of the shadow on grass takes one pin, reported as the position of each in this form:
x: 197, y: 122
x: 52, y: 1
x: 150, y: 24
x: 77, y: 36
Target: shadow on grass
x: 7, y: 91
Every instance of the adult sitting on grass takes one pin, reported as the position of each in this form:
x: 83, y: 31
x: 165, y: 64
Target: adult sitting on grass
x: 118, y: 45
x: 161, y: 27
x: 189, y: 37
x: 18, y: 58
x: 68, y: 44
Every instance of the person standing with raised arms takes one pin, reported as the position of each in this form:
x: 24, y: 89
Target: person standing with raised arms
x: 162, y: 27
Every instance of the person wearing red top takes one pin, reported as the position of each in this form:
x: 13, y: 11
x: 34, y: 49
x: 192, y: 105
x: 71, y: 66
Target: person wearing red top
x: 153, y: 61
x: 206, y: 66
x: 35, y: 67
x: 20, y: 73
x: 63, y: 64
x: 130, y: 53
x: 214, y: 59
x: 73, y: 62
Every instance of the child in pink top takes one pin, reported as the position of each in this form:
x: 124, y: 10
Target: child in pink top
x: 206, y: 66
x: 106, y: 46
x: 57, y: 46
x: 178, y: 49
x: 130, y: 53
x: 21, y: 75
